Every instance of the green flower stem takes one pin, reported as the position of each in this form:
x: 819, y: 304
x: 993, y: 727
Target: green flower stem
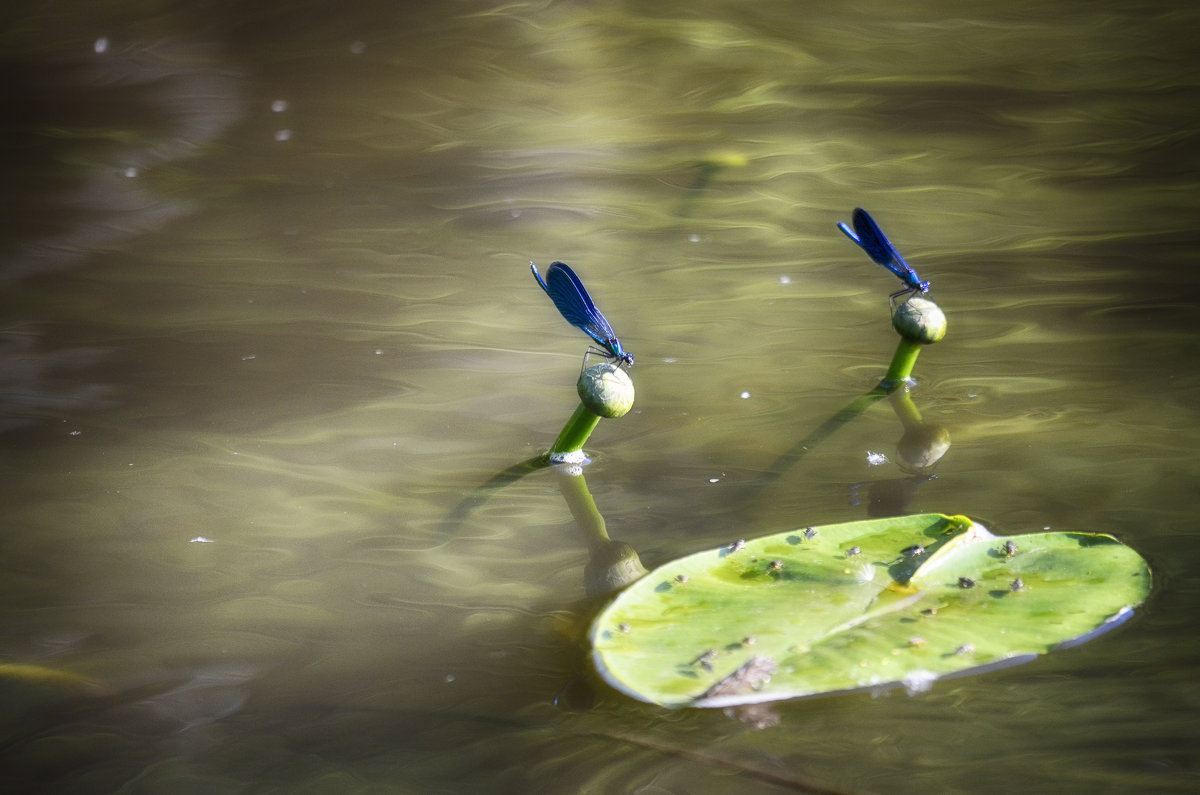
x: 903, y: 363
x: 605, y: 391
x: 575, y: 433
x: 919, y: 322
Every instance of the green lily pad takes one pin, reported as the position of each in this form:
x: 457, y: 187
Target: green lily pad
x: 858, y: 605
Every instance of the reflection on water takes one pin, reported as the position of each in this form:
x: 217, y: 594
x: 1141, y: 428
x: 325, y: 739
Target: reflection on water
x: 267, y: 320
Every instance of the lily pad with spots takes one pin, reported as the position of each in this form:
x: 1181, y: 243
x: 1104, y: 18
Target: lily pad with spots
x: 872, y: 604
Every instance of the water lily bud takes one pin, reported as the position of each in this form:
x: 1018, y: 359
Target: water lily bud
x: 920, y: 320
x: 606, y: 390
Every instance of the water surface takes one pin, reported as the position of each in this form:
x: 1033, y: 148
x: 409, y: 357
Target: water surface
x: 267, y: 320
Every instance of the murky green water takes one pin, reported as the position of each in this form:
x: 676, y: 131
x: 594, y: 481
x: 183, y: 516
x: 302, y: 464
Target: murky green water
x: 266, y: 319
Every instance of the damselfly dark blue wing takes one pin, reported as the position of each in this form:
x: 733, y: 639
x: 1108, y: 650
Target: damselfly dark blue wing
x: 572, y: 299
x: 871, y: 239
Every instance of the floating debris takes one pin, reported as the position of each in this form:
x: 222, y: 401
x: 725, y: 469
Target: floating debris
x: 862, y: 572
x: 918, y: 681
